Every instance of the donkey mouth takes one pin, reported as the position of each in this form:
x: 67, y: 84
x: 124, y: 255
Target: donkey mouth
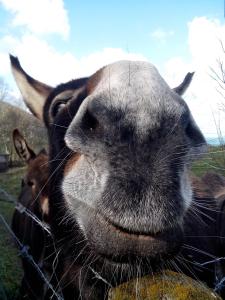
x: 122, y: 245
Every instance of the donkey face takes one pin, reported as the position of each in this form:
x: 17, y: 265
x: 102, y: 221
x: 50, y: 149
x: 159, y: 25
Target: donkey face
x: 34, y: 187
x: 123, y: 141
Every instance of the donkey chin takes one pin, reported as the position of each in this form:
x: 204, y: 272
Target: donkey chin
x: 117, y: 244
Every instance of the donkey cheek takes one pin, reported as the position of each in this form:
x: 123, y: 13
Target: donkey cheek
x: 84, y: 185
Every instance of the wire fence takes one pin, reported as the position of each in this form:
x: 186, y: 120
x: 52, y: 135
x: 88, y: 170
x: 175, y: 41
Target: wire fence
x: 24, y: 210
x: 24, y: 249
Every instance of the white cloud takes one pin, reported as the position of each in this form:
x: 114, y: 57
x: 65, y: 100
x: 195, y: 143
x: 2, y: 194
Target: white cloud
x: 45, y: 63
x: 91, y: 63
x: 204, y: 37
x: 37, y: 56
x: 161, y: 35
x: 204, y: 40
x: 39, y: 17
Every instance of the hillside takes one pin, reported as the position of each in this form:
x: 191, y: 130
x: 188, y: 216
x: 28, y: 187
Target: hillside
x: 13, y: 117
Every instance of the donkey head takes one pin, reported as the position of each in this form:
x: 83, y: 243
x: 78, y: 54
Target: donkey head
x: 34, y: 188
x: 121, y: 142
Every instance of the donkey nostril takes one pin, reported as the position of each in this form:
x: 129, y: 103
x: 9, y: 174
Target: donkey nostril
x: 89, y: 122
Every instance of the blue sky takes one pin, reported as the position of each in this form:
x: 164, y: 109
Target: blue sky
x: 129, y: 24
x: 95, y: 25
x: 58, y: 40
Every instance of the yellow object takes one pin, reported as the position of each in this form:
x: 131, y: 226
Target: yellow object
x: 166, y: 286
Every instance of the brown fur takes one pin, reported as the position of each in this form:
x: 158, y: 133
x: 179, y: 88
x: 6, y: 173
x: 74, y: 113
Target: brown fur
x: 34, y: 196
x: 215, y: 182
x: 94, y: 81
x: 200, y: 188
x: 71, y: 163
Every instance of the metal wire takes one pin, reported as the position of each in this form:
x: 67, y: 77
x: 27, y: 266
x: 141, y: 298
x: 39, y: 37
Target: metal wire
x: 24, y: 210
x: 24, y: 252
x: 23, y: 249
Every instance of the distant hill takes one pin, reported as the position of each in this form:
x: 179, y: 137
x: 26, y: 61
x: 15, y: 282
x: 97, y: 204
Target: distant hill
x: 215, y: 141
x: 13, y: 117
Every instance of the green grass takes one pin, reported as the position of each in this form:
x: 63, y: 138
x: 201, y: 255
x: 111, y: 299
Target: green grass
x: 214, y: 161
x: 10, y: 180
x: 10, y: 264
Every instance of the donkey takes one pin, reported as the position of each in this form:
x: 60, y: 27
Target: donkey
x: 216, y: 183
x: 34, y: 196
x: 121, y: 146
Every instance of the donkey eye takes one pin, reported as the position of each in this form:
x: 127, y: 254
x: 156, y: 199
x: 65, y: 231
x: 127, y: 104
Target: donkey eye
x: 57, y: 107
x: 30, y: 182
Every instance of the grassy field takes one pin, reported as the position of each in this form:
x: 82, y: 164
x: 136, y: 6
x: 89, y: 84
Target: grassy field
x: 213, y: 160
x: 10, y: 266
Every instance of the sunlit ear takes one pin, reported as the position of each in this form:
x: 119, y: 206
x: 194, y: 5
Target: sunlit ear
x: 181, y: 89
x: 34, y: 92
x: 22, y: 148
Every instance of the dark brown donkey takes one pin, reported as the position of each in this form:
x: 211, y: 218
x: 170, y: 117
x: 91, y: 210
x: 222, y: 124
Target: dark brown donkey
x: 33, y: 196
x: 121, y: 146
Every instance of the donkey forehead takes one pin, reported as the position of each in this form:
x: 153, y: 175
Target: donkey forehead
x: 137, y: 89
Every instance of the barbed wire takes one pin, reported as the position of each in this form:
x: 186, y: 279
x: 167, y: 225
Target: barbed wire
x: 24, y: 251
x: 8, y: 196
x: 220, y: 285
x: 24, y: 210
x: 24, y: 248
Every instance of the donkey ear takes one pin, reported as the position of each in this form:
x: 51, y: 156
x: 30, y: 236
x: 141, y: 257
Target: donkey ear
x: 43, y: 151
x: 33, y: 91
x: 181, y: 89
x: 22, y: 148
